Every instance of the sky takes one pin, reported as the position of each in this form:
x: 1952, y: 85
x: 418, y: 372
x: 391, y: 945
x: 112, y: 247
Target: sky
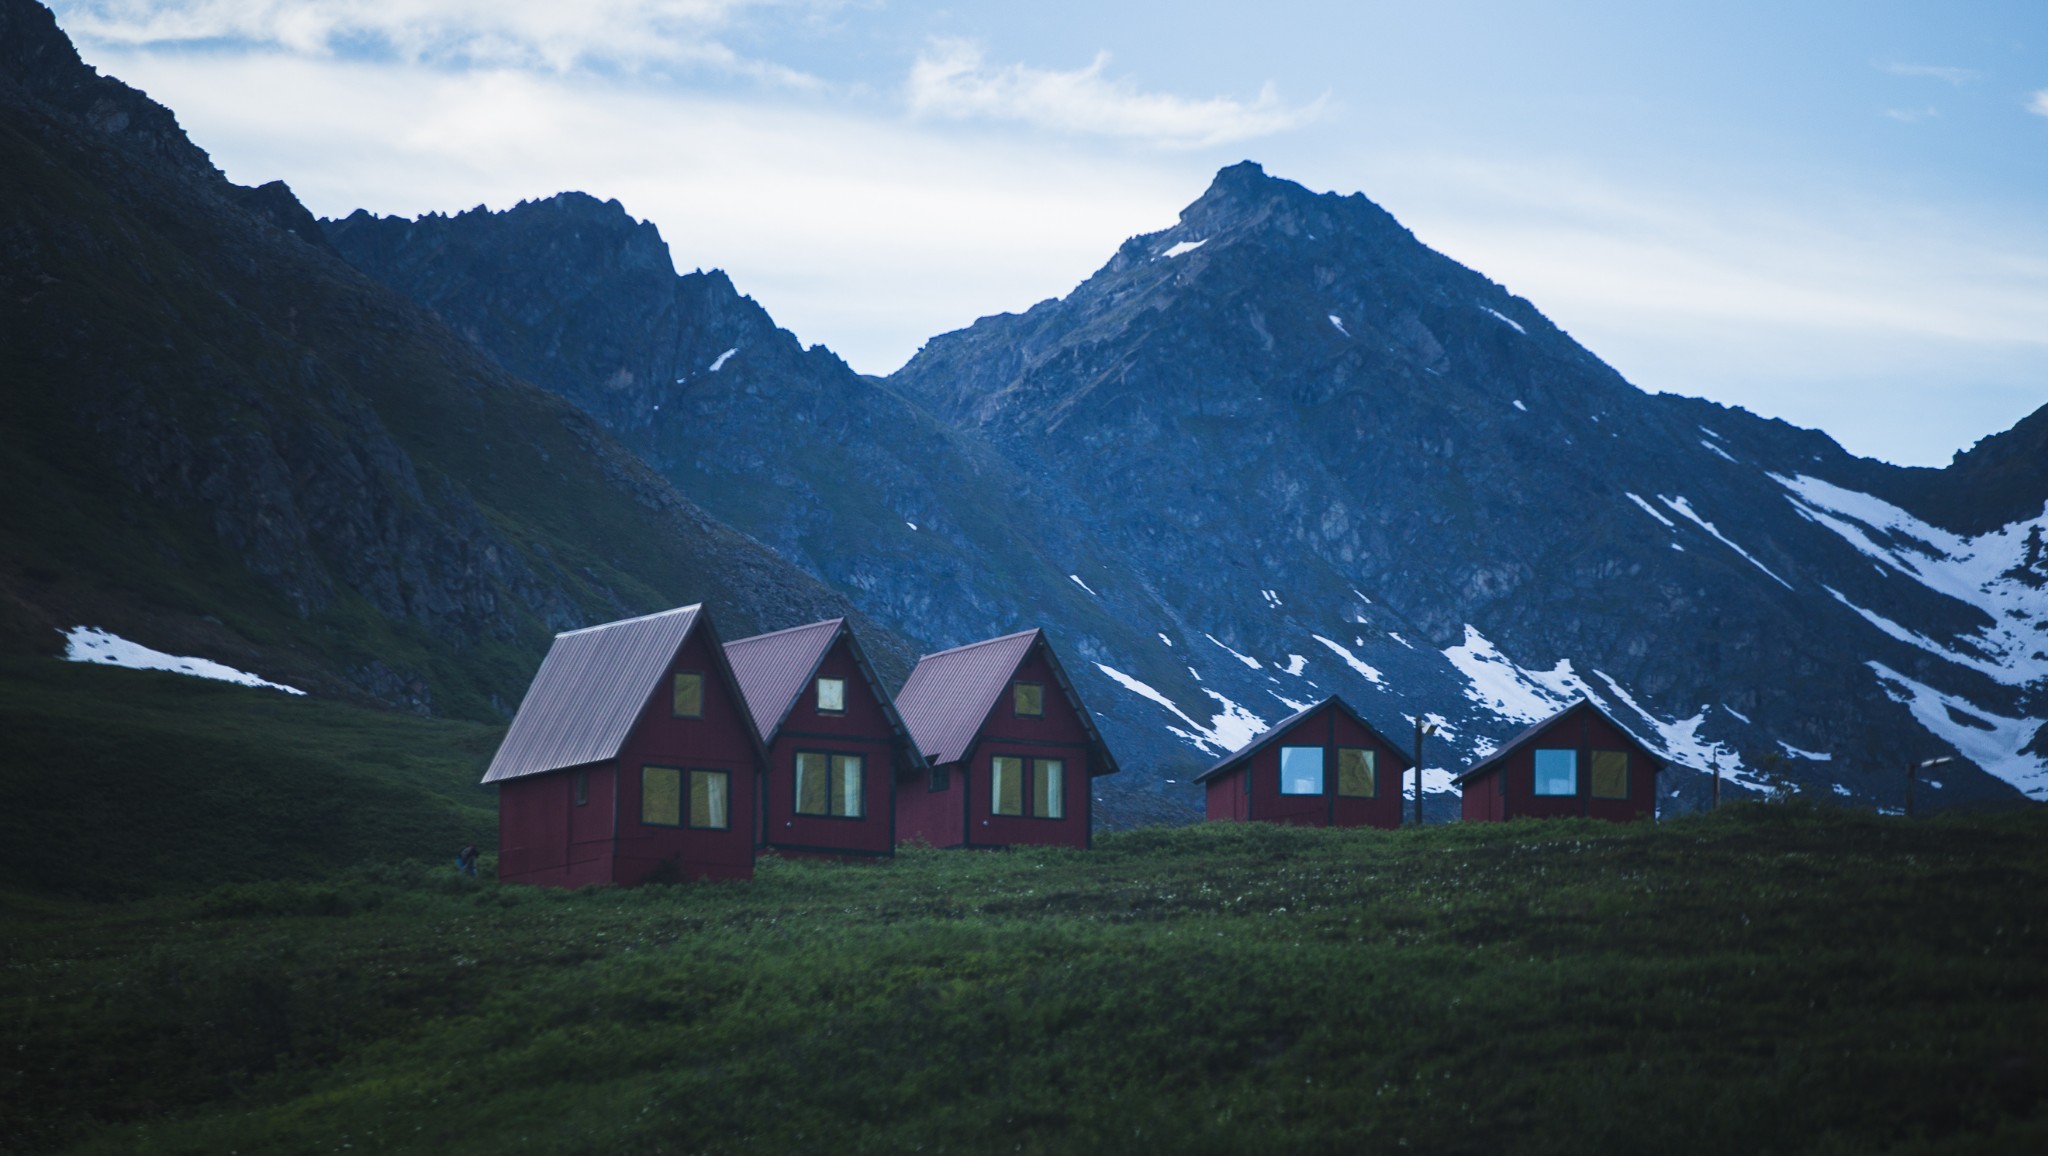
x: 1829, y: 211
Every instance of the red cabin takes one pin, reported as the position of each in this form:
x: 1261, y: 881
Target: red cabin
x: 632, y: 756
x: 1577, y: 762
x: 1012, y: 753
x: 1323, y: 767
x: 836, y: 745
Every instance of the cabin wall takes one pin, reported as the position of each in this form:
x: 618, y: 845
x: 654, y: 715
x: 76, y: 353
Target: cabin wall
x: 1224, y: 800
x: 1480, y: 799
x: 1058, y: 734
x: 861, y: 730
x: 1329, y: 729
x: 928, y: 816
x: 1583, y: 731
x: 721, y: 740
x: 546, y: 838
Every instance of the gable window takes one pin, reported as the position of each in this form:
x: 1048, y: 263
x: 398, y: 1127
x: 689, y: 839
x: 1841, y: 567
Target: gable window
x: 1006, y: 785
x: 1610, y: 774
x: 582, y: 788
x: 710, y: 794
x: 688, y: 696
x: 1027, y: 699
x: 941, y: 780
x: 1357, y: 773
x: 1557, y: 772
x: 1048, y: 788
x: 661, y: 796
x: 831, y: 696
x: 1301, y: 770
x: 828, y: 784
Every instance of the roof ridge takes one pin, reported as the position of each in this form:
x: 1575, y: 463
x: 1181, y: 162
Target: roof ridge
x: 983, y: 642
x: 841, y: 620
x: 628, y: 621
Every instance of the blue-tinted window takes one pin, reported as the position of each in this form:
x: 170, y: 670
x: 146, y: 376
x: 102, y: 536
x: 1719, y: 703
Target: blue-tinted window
x: 1301, y: 770
x: 1557, y: 772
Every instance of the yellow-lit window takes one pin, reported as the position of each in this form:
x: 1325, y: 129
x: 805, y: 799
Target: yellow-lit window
x: 1006, y: 784
x: 1028, y: 699
x: 661, y: 796
x: 812, y: 795
x: 1610, y: 774
x: 1048, y: 789
x: 710, y: 799
x: 846, y: 786
x: 832, y: 696
x: 1357, y: 772
x: 688, y: 700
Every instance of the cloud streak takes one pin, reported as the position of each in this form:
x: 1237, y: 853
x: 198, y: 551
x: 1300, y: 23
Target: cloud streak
x: 542, y: 35
x: 2039, y: 105
x: 953, y: 79
x: 1954, y: 76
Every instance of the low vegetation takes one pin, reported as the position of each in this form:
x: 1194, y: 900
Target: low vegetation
x: 1768, y: 979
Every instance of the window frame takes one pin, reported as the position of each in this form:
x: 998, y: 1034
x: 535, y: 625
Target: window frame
x: 1322, y: 772
x: 690, y: 797
x: 1033, y: 784
x: 579, y: 791
x: 1536, y: 772
x: 1372, y: 773
x: 647, y: 771
x: 675, y: 684
x: 818, y: 700
x: 1593, y: 775
x: 830, y: 757
x: 1030, y: 772
x: 1018, y: 684
x: 995, y: 794
x: 941, y: 779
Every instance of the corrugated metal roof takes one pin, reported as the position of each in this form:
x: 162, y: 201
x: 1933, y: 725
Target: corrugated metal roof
x: 947, y: 699
x: 773, y: 670
x: 1273, y: 733
x: 589, y: 692
x: 1507, y: 748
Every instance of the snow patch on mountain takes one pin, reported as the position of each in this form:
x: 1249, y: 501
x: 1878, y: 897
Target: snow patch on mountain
x: 719, y: 364
x: 1295, y: 664
x: 1997, y: 744
x: 1510, y: 691
x: 1509, y: 321
x: 1185, y: 247
x: 1719, y: 450
x: 1339, y: 323
x: 1680, y: 741
x: 1985, y: 572
x: 1652, y: 511
x: 1230, y: 728
x: 94, y: 645
x: 1082, y: 585
x: 1685, y: 510
x: 1351, y: 660
x: 1813, y: 756
x: 1247, y: 659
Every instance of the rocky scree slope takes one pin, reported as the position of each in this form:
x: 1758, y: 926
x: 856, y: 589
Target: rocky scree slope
x: 224, y: 440
x: 1282, y: 450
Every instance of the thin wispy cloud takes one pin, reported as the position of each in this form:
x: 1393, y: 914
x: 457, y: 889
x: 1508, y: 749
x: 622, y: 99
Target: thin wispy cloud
x: 544, y: 35
x: 1955, y: 76
x: 953, y: 79
x: 1912, y: 115
x: 2039, y: 105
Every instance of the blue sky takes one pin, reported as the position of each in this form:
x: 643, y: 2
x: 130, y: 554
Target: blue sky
x: 1831, y: 212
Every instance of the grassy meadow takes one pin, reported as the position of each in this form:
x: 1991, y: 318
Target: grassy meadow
x: 1771, y: 979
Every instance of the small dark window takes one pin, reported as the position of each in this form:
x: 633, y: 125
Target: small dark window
x: 831, y: 696
x: 941, y: 780
x: 689, y: 696
x: 582, y: 788
x: 1027, y: 699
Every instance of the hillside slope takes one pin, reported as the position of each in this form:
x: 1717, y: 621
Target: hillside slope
x: 239, y: 446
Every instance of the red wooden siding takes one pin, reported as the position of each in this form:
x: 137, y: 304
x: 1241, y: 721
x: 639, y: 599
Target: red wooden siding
x: 1328, y: 728
x: 861, y: 730
x: 934, y: 817
x: 1504, y: 787
x: 721, y: 740
x: 545, y: 837
x: 1056, y: 734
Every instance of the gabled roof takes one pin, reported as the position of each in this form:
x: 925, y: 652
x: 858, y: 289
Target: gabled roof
x: 949, y: 697
x: 773, y: 670
x: 591, y: 688
x: 1507, y: 748
x: 1272, y: 734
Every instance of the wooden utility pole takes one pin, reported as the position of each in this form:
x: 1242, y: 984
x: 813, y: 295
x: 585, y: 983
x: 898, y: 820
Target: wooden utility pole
x: 1420, y: 730
x: 1715, y: 763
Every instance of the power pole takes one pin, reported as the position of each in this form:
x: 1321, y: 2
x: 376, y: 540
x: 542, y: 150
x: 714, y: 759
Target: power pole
x: 1715, y: 763
x: 1421, y: 729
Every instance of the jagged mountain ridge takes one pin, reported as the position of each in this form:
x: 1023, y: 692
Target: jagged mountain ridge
x: 240, y: 447
x: 1283, y: 449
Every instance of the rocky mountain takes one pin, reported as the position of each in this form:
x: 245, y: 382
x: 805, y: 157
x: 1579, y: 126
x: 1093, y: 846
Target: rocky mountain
x: 221, y: 439
x: 1284, y: 449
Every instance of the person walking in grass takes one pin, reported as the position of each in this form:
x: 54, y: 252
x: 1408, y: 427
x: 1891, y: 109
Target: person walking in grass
x: 465, y: 860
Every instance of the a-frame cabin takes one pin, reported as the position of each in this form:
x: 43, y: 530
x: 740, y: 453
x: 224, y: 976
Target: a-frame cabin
x: 1325, y: 766
x: 1577, y: 762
